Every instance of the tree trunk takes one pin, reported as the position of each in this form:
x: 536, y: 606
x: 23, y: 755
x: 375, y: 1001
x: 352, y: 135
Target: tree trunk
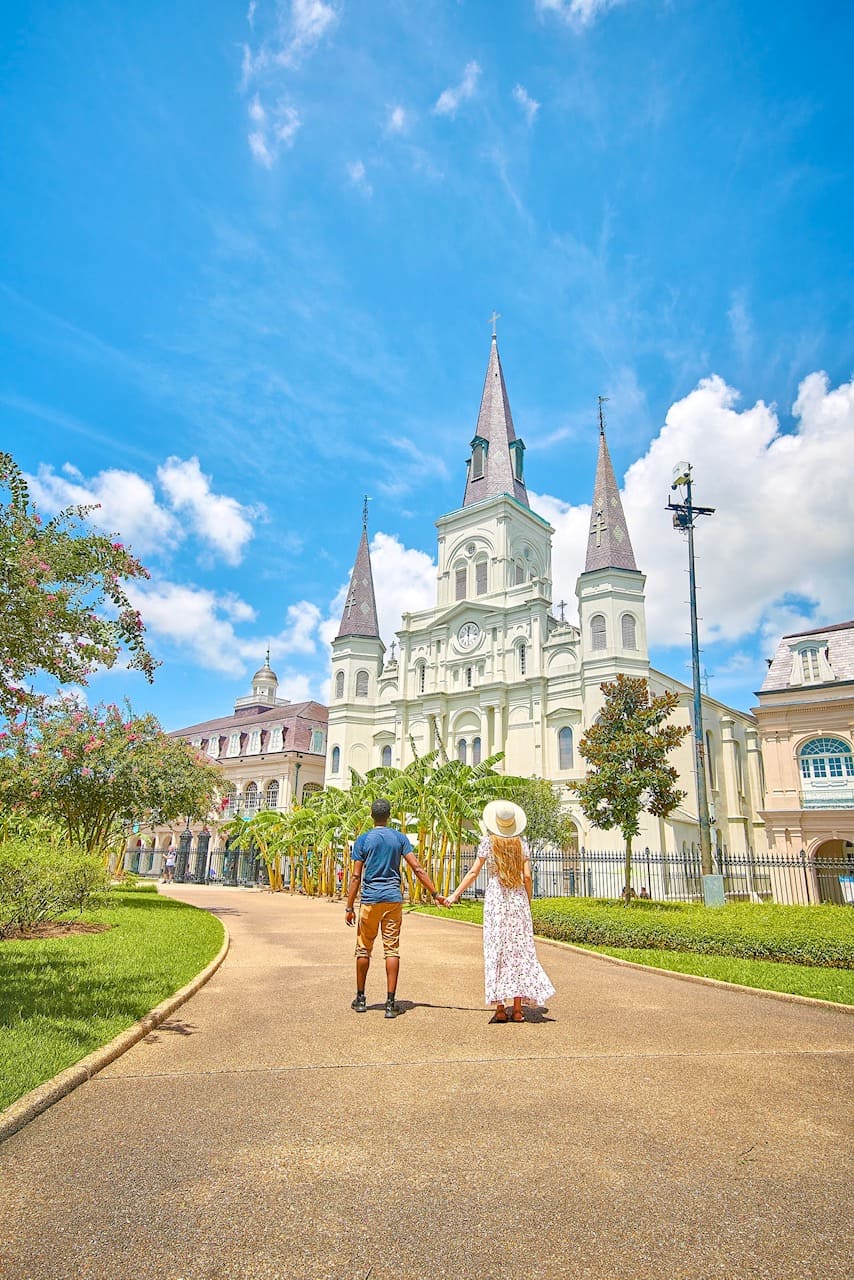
x: 627, y: 889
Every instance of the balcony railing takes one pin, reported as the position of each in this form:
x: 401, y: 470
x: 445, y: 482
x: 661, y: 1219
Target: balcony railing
x: 829, y: 799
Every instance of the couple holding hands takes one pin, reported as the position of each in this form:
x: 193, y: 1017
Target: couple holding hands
x: 512, y: 974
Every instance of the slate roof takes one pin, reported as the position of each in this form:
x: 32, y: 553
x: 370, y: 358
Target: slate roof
x: 839, y: 641
x: 608, y: 543
x: 359, y: 617
x: 495, y: 425
x: 296, y: 718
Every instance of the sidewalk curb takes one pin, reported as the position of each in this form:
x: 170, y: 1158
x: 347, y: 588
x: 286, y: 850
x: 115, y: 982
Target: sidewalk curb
x: 32, y: 1104
x: 788, y: 997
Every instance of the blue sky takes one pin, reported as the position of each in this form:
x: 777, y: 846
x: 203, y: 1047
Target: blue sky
x: 248, y: 256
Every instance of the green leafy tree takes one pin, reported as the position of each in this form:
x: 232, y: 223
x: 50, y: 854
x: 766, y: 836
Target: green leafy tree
x: 95, y: 771
x: 627, y: 751
x: 64, y: 610
x: 548, y: 825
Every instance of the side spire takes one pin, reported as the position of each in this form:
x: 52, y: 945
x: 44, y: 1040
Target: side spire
x: 496, y: 462
x: 359, y: 617
x: 608, y: 545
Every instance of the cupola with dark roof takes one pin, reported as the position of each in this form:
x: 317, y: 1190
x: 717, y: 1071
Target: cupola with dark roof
x: 496, y: 464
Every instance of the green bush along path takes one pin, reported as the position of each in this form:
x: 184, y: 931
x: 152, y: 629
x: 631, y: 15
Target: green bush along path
x: 62, y: 997
x: 801, y: 950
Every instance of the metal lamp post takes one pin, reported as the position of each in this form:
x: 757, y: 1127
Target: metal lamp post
x: 684, y: 514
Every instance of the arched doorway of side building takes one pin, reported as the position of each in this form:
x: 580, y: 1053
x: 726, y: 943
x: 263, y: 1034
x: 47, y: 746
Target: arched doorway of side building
x: 833, y: 862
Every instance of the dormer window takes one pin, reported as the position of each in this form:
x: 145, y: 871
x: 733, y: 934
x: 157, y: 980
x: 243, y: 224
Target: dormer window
x: 517, y: 452
x: 254, y: 747
x: 275, y: 743
x: 479, y: 447
x: 811, y: 664
x: 233, y: 745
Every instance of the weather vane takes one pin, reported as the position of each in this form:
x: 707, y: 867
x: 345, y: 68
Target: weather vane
x: 602, y: 400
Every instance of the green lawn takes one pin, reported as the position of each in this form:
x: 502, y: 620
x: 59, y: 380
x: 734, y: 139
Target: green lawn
x: 801, y: 950
x: 60, y: 998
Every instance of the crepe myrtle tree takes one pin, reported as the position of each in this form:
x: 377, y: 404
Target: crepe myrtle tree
x: 627, y: 750
x: 64, y: 610
x: 94, y: 771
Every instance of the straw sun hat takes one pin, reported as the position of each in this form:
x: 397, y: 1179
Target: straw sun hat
x: 503, y: 818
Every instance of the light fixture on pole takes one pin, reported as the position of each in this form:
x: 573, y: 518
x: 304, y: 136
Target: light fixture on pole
x: 684, y: 514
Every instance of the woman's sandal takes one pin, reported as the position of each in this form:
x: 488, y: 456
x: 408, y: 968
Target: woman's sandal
x: 517, y: 1016
x: 500, y: 1015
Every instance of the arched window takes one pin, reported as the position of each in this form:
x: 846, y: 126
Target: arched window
x: 271, y: 795
x: 519, y: 572
x: 598, y: 631
x: 339, y: 685
x: 460, y: 581
x: 250, y: 796
x: 336, y: 759
x: 480, y: 572
x: 629, y: 626
x: 361, y: 684
x: 810, y: 665
x: 477, y: 455
x: 826, y: 762
x: 475, y: 751
x: 461, y: 750
x: 523, y: 659
x: 739, y: 768
x: 385, y: 758
x: 564, y: 747
x: 710, y: 760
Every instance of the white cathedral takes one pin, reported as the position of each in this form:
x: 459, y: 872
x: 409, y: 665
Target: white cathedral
x: 491, y: 668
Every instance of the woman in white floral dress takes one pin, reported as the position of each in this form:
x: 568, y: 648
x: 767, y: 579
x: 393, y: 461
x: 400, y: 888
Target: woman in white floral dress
x: 512, y: 971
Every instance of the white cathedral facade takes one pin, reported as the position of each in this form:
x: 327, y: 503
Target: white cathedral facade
x: 491, y: 668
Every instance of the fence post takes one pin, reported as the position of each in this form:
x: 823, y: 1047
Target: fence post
x: 806, y: 874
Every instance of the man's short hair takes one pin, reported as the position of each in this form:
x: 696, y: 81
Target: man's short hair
x: 380, y: 810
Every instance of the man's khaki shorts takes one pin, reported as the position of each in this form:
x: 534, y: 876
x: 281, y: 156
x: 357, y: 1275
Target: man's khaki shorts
x: 376, y: 917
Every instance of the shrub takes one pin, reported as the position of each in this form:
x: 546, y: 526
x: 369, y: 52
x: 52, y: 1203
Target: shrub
x: 816, y: 935
x: 41, y: 882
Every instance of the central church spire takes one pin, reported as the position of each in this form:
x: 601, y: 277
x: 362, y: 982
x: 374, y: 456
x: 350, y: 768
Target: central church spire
x: 608, y: 543
x: 359, y: 617
x: 496, y: 462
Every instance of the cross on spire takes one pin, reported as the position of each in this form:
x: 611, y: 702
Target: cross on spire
x: 365, y: 512
x: 393, y: 648
x: 561, y: 604
x: 496, y: 315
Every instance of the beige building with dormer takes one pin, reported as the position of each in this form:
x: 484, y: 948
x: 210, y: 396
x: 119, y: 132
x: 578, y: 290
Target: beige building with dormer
x: 806, y: 729
x: 494, y: 666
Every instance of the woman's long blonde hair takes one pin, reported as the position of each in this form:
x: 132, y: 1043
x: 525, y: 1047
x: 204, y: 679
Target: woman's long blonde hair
x: 509, y: 860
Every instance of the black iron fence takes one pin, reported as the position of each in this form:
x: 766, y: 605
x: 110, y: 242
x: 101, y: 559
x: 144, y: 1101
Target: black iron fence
x: 586, y: 873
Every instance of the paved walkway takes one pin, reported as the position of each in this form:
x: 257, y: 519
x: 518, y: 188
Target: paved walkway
x: 644, y: 1128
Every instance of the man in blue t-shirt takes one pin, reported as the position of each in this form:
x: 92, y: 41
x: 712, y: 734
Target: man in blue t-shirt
x: 377, y: 855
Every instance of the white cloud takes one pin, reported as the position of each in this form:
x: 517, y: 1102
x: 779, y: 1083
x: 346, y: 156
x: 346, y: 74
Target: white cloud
x: 529, y: 105
x: 741, y: 326
x: 449, y: 100
x: 127, y: 504
x: 271, y: 133
x: 359, y: 178
x: 578, y: 13
x: 776, y: 555
x: 201, y: 624
x: 250, y: 13
x: 310, y: 21
x: 220, y: 521
x: 397, y: 120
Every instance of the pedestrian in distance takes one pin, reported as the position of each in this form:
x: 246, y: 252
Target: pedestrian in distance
x: 512, y: 972
x: 377, y: 855
x: 169, y: 864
